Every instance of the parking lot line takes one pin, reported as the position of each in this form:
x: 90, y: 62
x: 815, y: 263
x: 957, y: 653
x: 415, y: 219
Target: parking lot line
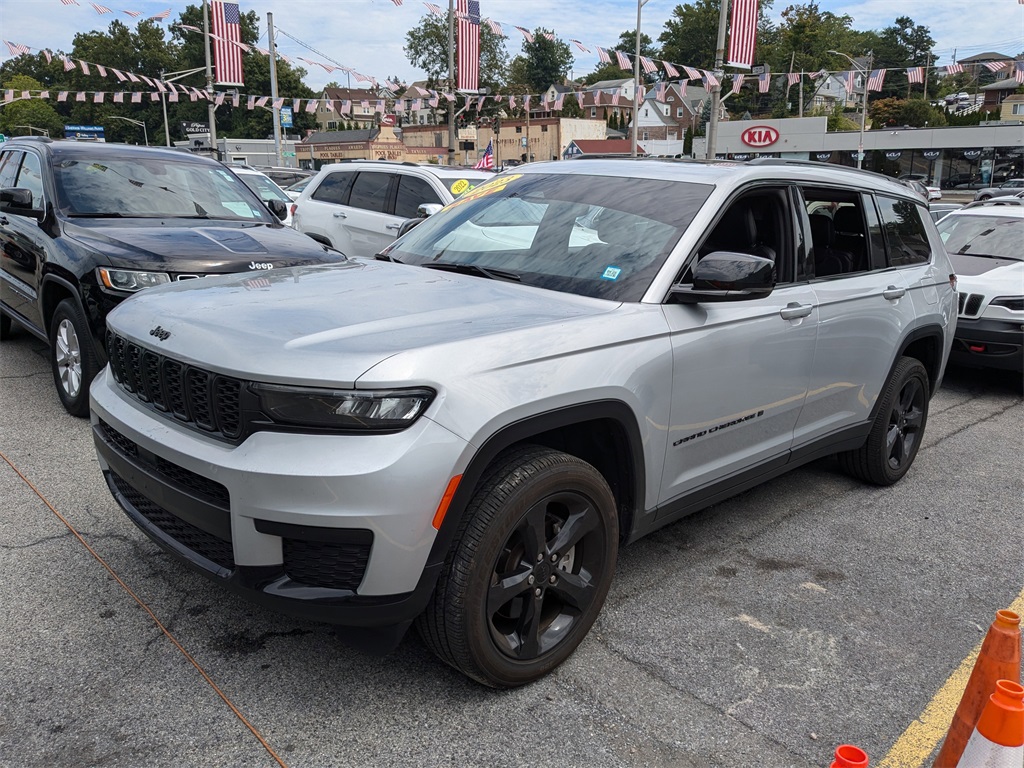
x: 919, y: 740
x: 152, y: 615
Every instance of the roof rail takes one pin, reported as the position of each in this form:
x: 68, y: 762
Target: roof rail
x: 1008, y: 200
x: 813, y: 164
x: 37, y: 139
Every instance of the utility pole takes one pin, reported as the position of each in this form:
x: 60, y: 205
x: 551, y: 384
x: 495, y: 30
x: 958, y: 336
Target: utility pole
x: 716, y: 90
x: 927, y: 68
x: 636, y: 80
x: 273, y: 87
x: 210, y: 106
x: 451, y: 82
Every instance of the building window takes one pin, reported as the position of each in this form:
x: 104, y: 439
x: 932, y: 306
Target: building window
x: 332, y: 125
x: 646, y: 136
x: 543, y: 129
x: 645, y: 111
x: 519, y: 129
x: 671, y: 98
x: 593, y: 111
x: 679, y: 111
x: 1017, y: 109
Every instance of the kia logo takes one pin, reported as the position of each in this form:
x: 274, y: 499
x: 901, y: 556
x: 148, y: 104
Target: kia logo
x: 759, y: 136
x: 160, y: 333
x: 387, y: 120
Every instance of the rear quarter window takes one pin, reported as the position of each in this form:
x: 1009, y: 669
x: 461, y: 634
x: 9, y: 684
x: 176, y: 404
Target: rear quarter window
x: 905, y: 235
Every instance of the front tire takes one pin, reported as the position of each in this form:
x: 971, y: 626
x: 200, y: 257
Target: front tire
x: 898, y: 428
x: 72, y: 357
x: 529, y: 570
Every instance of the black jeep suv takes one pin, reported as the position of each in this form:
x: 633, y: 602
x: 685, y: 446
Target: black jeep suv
x: 83, y: 226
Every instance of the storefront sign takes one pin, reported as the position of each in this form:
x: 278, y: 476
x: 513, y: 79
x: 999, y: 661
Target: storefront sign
x: 822, y: 157
x: 931, y: 154
x: 387, y: 120
x: 972, y: 154
x: 193, y: 128
x: 893, y: 154
x: 759, y: 136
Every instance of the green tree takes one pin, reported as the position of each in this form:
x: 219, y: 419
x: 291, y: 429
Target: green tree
x: 426, y: 47
x: 690, y: 34
x: 28, y: 112
x: 541, y: 63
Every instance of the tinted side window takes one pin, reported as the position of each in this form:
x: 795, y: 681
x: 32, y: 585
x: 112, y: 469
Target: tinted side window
x: 9, y: 168
x: 370, y: 192
x: 334, y: 188
x: 413, y: 192
x: 904, y: 232
x: 31, y: 177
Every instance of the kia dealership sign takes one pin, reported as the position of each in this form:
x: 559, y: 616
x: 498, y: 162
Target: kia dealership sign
x: 759, y: 136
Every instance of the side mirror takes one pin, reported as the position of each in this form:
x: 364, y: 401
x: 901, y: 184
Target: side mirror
x: 428, y: 209
x: 279, y: 208
x: 18, y: 201
x: 728, y: 276
x: 409, y: 224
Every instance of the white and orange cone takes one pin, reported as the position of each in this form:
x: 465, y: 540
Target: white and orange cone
x: 998, y: 739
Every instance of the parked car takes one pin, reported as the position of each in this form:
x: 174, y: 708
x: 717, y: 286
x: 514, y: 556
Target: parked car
x: 938, y: 210
x: 84, y: 226
x: 985, y: 241
x: 284, y: 176
x: 931, y: 190
x: 295, y: 189
x: 1007, y: 188
x: 265, y: 189
x: 358, y: 207
x: 461, y: 433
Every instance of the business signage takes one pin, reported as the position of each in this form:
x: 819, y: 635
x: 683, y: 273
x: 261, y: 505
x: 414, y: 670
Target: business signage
x: 387, y: 119
x: 195, y: 128
x: 759, y: 136
x: 822, y: 157
x: 286, y: 117
x: 972, y: 154
x: 931, y: 154
x: 84, y: 132
x: 893, y: 154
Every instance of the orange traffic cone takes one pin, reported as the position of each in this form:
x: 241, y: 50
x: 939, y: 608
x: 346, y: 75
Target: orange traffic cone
x: 849, y: 756
x: 998, y: 741
x: 999, y: 659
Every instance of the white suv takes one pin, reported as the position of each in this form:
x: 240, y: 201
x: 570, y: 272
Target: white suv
x: 358, y: 207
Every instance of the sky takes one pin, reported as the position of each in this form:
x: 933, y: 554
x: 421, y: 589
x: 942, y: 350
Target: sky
x: 369, y: 35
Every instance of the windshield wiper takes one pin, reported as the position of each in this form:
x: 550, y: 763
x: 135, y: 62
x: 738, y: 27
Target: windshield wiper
x: 103, y: 215
x: 473, y: 269
x: 383, y: 256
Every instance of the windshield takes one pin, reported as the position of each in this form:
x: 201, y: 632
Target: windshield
x: 593, y: 235
x: 264, y: 187
x: 146, y: 188
x: 999, y: 236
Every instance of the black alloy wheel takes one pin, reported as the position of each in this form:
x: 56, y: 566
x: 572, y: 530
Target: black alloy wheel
x: 529, y: 572
x: 898, y: 428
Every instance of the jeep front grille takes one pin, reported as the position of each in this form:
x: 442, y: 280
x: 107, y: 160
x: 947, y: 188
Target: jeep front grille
x: 202, y: 399
x: 969, y: 304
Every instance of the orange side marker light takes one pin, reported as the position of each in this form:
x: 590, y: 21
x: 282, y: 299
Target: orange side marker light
x: 446, y: 499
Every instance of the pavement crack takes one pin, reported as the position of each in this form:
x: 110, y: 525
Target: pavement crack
x: 36, y: 542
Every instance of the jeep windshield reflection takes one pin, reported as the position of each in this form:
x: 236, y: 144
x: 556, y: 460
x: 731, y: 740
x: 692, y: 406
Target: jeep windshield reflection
x: 601, y: 236
x: 153, y: 188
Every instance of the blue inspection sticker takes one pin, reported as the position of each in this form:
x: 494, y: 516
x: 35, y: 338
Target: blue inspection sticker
x: 611, y: 273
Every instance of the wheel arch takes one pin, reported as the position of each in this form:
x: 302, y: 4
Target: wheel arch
x: 55, y: 290
x: 924, y: 344
x: 604, y: 433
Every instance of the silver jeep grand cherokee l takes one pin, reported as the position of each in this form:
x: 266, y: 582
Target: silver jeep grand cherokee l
x: 462, y: 432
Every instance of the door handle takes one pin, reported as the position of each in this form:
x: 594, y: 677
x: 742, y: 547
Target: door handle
x: 793, y: 310
x: 392, y: 226
x: 892, y: 293
x: 340, y: 215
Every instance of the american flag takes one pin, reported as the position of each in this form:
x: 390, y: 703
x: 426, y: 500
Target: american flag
x: 436, y: 10
x: 742, y: 33
x: 602, y: 55
x: 397, y: 2
x: 647, y: 65
x: 709, y: 79
x: 954, y: 69
x: 623, y: 60
x: 691, y: 73
x: 100, y: 9
x: 159, y: 17
x: 487, y: 161
x: 469, y: 45
x: 527, y: 34
x: 793, y: 78
x: 70, y: 2
x: 915, y: 75
x: 995, y: 66
x: 1018, y: 75
x: 580, y: 45
x: 670, y: 70
x: 17, y: 49
x: 851, y: 80
x: 737, y: 83
x: 227, y: 58
x: 875, y: 80
x: 495, y: 27
x: 764, y: 80
x: 133, y: 14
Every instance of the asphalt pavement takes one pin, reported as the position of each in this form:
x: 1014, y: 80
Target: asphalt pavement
x: 765, y: 631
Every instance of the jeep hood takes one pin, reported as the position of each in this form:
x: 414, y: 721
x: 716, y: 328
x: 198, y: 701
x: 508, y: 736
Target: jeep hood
x: 190, y: 246
x: 311, y: 325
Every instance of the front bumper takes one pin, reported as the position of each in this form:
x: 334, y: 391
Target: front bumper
x: 333, y: 528
x: 987, y: 343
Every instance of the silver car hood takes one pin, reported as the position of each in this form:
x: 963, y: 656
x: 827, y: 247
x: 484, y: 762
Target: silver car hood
x: 333, y: 322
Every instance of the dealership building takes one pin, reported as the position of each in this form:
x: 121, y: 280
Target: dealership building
x: 950, y: 156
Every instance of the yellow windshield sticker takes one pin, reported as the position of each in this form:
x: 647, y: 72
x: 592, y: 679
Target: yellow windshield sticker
x: 487, y: 188
x: 460, y: 186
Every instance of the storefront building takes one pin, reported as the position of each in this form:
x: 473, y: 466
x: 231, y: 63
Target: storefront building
x: 970, y: 156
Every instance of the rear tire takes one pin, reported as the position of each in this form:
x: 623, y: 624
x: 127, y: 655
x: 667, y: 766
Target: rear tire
x: 529, y: 570
x: 72, y: 357
x: 898, y: 428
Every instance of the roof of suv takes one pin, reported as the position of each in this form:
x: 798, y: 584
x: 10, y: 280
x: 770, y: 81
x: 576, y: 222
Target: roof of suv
x: 441, y: 171
x: 72, y: 148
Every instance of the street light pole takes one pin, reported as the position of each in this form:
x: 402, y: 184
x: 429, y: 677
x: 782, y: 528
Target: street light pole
x: 636, y: 79
x: 716, y: 89
x: 864, y: 99
x: 451, y: 82
x: 163, y: 96
x: 145, y: 133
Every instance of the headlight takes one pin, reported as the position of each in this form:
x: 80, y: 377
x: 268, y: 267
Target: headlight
x: 130, y: 280
x: 380, y: 410
x: 1015, y: 303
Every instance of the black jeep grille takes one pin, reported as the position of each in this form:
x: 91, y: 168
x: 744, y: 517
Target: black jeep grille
x: 326, y: 564
x: 969, y: 304
x: 205, y: 544
x: 202, y: 399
